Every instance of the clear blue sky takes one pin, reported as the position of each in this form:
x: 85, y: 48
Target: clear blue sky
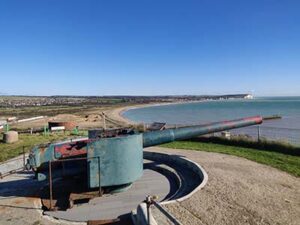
x: 152, y: 47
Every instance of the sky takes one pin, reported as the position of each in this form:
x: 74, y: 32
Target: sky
x: 149, y: 47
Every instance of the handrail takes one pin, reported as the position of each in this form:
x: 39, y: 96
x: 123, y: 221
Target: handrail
x: 150, y: 201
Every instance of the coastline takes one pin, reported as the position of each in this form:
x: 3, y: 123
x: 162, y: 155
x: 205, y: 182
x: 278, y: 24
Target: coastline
x: 117, y: 113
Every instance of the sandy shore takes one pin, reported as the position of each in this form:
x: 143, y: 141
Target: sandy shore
x: 117, y: 113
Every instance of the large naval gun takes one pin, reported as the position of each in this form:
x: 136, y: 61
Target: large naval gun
x: 114, y: 160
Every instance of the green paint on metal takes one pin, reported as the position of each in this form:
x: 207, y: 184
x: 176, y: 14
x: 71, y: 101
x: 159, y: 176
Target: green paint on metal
x: 6, y: 127
x: 169, y: 135
x: 121, y: 160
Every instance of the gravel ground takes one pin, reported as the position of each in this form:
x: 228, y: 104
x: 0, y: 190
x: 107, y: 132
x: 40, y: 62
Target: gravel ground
x: 238, y: 191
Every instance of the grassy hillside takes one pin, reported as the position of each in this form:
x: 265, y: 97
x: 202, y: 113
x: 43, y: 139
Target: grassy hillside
x: 285, y: 162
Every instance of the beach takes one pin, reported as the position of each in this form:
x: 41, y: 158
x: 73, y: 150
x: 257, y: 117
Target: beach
x: 117, y: 114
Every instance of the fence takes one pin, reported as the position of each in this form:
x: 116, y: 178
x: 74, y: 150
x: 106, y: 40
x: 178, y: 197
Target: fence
x: 14, y: 165
x: 284, y: 135
x: 263, y: 132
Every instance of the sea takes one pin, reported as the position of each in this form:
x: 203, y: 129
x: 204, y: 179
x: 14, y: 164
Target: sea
x: 285, y: 129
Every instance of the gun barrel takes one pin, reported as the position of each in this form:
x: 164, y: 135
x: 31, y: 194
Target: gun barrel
x: 169, y: 135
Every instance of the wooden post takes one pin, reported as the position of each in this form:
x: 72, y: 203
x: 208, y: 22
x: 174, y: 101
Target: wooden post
x: 104, y: 122
x: 45, y: 130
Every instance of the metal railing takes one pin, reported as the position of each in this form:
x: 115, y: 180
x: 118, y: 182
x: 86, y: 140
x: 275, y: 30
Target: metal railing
x: 24, y: 149
x: 150, y: 201
x: 14, y: 164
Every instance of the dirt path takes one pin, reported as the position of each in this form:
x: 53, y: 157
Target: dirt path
x: 238, y: 191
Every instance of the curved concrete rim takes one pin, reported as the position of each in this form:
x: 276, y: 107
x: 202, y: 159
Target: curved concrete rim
x: 199, y: 187
x: 185, y: 162
x: 140, y: 216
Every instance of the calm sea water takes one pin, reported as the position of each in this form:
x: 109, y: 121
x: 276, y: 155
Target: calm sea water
x: 202, y: 112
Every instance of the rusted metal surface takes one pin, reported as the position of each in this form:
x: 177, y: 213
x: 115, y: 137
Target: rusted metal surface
x: 77, y: 198
x: 123, y: 221
x: 108, y: 133
x: 72, y: 149
x: 101, y: 222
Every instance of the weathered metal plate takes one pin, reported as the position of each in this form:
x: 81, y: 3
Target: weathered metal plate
x: 119, y: 160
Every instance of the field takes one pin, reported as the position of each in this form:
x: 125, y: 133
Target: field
x: 31, y: 111
x: 85, y: 116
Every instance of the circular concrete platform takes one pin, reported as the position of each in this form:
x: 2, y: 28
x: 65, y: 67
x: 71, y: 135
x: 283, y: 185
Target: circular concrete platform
x: 170, y: 177
x: 111, y: 206
x: 162, y: 178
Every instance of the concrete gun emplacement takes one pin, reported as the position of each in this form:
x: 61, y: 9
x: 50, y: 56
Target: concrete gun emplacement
x: 115, y: 161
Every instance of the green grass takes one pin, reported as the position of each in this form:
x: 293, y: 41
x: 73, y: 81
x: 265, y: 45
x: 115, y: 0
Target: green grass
x: 246, y: 142
x: 285, y: 162
x: 8, y: 151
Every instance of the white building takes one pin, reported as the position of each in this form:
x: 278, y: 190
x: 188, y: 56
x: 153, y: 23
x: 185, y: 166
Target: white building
x: 248, y: 96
